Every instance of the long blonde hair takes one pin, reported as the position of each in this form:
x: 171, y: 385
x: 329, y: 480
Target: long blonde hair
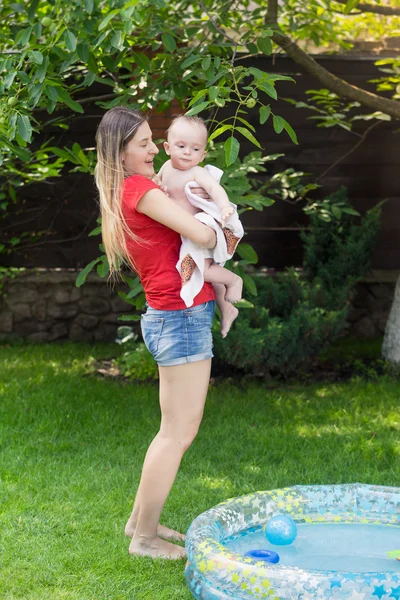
x: 117, y: 127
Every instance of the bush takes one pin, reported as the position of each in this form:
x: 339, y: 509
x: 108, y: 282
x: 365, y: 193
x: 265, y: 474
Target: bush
x: 338, y: 251
x: 296, y: 316
x: 136, y: 362
x: 284, y: 331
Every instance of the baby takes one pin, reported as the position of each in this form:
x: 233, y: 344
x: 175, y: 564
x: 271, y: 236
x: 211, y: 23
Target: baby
x: 186, y: 145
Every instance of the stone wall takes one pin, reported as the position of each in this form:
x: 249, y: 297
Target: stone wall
x: 44, y: 305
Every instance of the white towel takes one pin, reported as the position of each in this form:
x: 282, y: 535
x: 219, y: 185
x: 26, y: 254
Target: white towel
x: 191, y: 258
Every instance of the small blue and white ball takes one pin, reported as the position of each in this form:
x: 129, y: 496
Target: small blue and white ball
x: 281, y: 530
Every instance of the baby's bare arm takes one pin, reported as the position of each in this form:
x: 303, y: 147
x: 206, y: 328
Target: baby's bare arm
x: 212, y: 187
x: 216, y: 192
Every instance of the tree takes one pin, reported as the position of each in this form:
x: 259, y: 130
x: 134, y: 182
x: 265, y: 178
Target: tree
x: 60, y: 54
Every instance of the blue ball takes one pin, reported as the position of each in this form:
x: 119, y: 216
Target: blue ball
x: 281, y: 530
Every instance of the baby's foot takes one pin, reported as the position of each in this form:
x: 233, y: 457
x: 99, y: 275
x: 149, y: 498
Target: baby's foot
x: 234, y: 291
x: 156, y: 548
x: 164, y: 532
x: 228, y: 315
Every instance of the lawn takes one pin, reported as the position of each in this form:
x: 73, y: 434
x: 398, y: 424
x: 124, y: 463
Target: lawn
x: 72, y: 446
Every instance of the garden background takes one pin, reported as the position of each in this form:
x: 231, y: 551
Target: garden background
x: 301, y: 99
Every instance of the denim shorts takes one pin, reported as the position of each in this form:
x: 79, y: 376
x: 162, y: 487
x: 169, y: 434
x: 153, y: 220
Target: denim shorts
x: 176, y: 337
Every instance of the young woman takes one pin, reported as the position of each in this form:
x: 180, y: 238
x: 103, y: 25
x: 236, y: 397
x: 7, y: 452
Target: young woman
x: 141, y: 226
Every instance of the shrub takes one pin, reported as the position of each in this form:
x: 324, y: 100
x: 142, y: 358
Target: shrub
x: 136, y: 362
x: 296, y: 316
x: 338, y: 251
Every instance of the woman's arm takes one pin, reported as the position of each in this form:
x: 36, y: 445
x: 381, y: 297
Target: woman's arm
x: 156, y: 205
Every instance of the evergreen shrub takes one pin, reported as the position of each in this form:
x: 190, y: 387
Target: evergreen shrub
x: 297, y: 315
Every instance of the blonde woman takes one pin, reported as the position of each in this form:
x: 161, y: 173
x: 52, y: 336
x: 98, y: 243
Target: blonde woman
x: 142, y: 227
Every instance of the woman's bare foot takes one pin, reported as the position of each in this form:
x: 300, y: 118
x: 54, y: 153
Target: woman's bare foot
x: 164, y: 532
x: 228, y: 315
x: 234, y: 291
x: 156, y: 548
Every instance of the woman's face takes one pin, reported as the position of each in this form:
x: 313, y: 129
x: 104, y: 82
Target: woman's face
x: 138, y: 154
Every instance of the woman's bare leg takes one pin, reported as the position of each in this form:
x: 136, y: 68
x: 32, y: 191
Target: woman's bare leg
x: 183, y: 391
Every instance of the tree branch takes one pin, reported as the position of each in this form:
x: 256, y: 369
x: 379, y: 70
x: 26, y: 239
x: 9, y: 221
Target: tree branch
x: 330, y: 81
x: 378, y: 9
x: 352, y: 149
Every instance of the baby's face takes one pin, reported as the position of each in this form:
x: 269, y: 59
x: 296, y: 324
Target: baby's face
x: 186, y: 144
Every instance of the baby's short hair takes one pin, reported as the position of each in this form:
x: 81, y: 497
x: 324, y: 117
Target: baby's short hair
x: 191, y: 120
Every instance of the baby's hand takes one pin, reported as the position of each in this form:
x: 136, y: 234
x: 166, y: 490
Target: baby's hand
x: 226, y: 212
x: 158, y: 181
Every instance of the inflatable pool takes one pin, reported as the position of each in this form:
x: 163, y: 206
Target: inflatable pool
x: 344, y: 534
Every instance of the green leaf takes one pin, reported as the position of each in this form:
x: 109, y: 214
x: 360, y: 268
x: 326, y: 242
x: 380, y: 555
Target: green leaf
x: 190, y: 60
x: 336, y: 212
x: 249, y: 136
x: 24, y: 127
x: 205, y: 63
x: 351, y: 211
x: 197, y: 109
x: 265, y: 111
x: 213, y: 92
x: 169, y: 42
x: 129, y: 318
x: 103, y: 267
x: 42, y: 70
x: 142, y: 60
x: 231, y: 147
x: 249, y: 284
x: 219, y: 131
x: 80, y: 280
x: 92, y: 63
x: 264, y: 45
x: 108, y: 18
x: 83, y: 52
x: 268, y: 89
x: 89, y: 79
x: 199, y: 95
x: 24, y: 77
x: 51, y: 93
x: 278, y: 123
x: 70, y: 40
x: 247, y: 252
x: 248, y: 125
x: 37, y: 30
x: 22, y: 37
x: 66, y: 98
x: 244, y: 304
x: 116, y: 40
x: 32, y: 7
x: 350, y: 5
x: 137, y: 289
x: 252, y: 48
x: 35, y: 56
x: 9, y: 79
x: 89, y: 6
x: 290, y: 131
x: 95, y: 231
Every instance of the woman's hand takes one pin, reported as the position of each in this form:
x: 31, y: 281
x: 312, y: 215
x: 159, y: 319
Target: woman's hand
x: 199, y: 191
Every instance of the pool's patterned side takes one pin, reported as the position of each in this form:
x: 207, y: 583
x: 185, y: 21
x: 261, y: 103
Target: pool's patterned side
x: 214, y: 573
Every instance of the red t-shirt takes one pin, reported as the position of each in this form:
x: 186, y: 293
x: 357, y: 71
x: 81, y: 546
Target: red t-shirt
x: 155, y: 260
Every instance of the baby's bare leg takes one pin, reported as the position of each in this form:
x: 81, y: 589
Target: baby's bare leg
x: 215, y: 274
x: 228, y: 311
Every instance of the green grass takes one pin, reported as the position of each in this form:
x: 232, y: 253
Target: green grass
x: 71, y: 450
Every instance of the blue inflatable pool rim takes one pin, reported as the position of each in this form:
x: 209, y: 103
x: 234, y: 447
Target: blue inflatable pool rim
x: 214, y: 573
